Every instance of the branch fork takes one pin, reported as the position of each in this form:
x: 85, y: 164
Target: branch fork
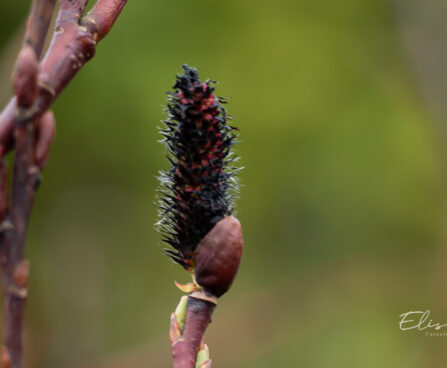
x: 27, y: 126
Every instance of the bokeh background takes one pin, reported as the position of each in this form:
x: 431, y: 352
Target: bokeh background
x: 342, y: 109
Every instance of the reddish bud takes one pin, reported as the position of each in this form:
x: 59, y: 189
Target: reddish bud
x: 21, y: 274
x: 45, y: 136
x: 218, y: 255
x: 25, y: 77
x: 6, y: 358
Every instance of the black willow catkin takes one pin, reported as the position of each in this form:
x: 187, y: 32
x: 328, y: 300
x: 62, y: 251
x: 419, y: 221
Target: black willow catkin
x: 198, y: 190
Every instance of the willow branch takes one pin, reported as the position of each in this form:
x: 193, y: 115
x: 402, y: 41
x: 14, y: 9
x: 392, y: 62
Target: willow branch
x: 186, y: 340
x: 38, y: 24
x: 73, y: 44
x: 14, y: 265
x: 102, y: 16
x: 27, y: 126
x: 26, y: 174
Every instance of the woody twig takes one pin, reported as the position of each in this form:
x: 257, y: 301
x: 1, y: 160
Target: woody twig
x: 27, y: 127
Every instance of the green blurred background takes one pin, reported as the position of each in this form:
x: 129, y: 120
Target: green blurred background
x: 340, y: 105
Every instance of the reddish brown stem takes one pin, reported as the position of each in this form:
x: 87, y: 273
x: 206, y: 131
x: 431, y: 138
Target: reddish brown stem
x: 72, y: 45
x: 38, y: 24
x: 14, y: 266
x: 72, y: 9
x: 12, y: 244
x: 103, y: 15
x: 198, y: 316
x: 28, y: 126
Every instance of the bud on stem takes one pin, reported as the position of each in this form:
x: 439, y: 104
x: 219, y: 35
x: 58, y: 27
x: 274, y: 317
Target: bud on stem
x: 218, y: 255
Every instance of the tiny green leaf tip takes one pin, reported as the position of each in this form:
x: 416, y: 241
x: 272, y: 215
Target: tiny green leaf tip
x: 180, y: 311
x: 203, y: 357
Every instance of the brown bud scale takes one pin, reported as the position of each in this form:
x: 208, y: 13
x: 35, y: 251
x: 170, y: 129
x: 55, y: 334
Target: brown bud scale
x: 218, y: 255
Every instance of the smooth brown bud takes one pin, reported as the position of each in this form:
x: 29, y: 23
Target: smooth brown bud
x: 25, y: 77
x: 218, y: 255
x: 45, y: 135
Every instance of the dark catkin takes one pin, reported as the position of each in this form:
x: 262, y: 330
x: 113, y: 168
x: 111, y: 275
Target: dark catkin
x: 198, y: 190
